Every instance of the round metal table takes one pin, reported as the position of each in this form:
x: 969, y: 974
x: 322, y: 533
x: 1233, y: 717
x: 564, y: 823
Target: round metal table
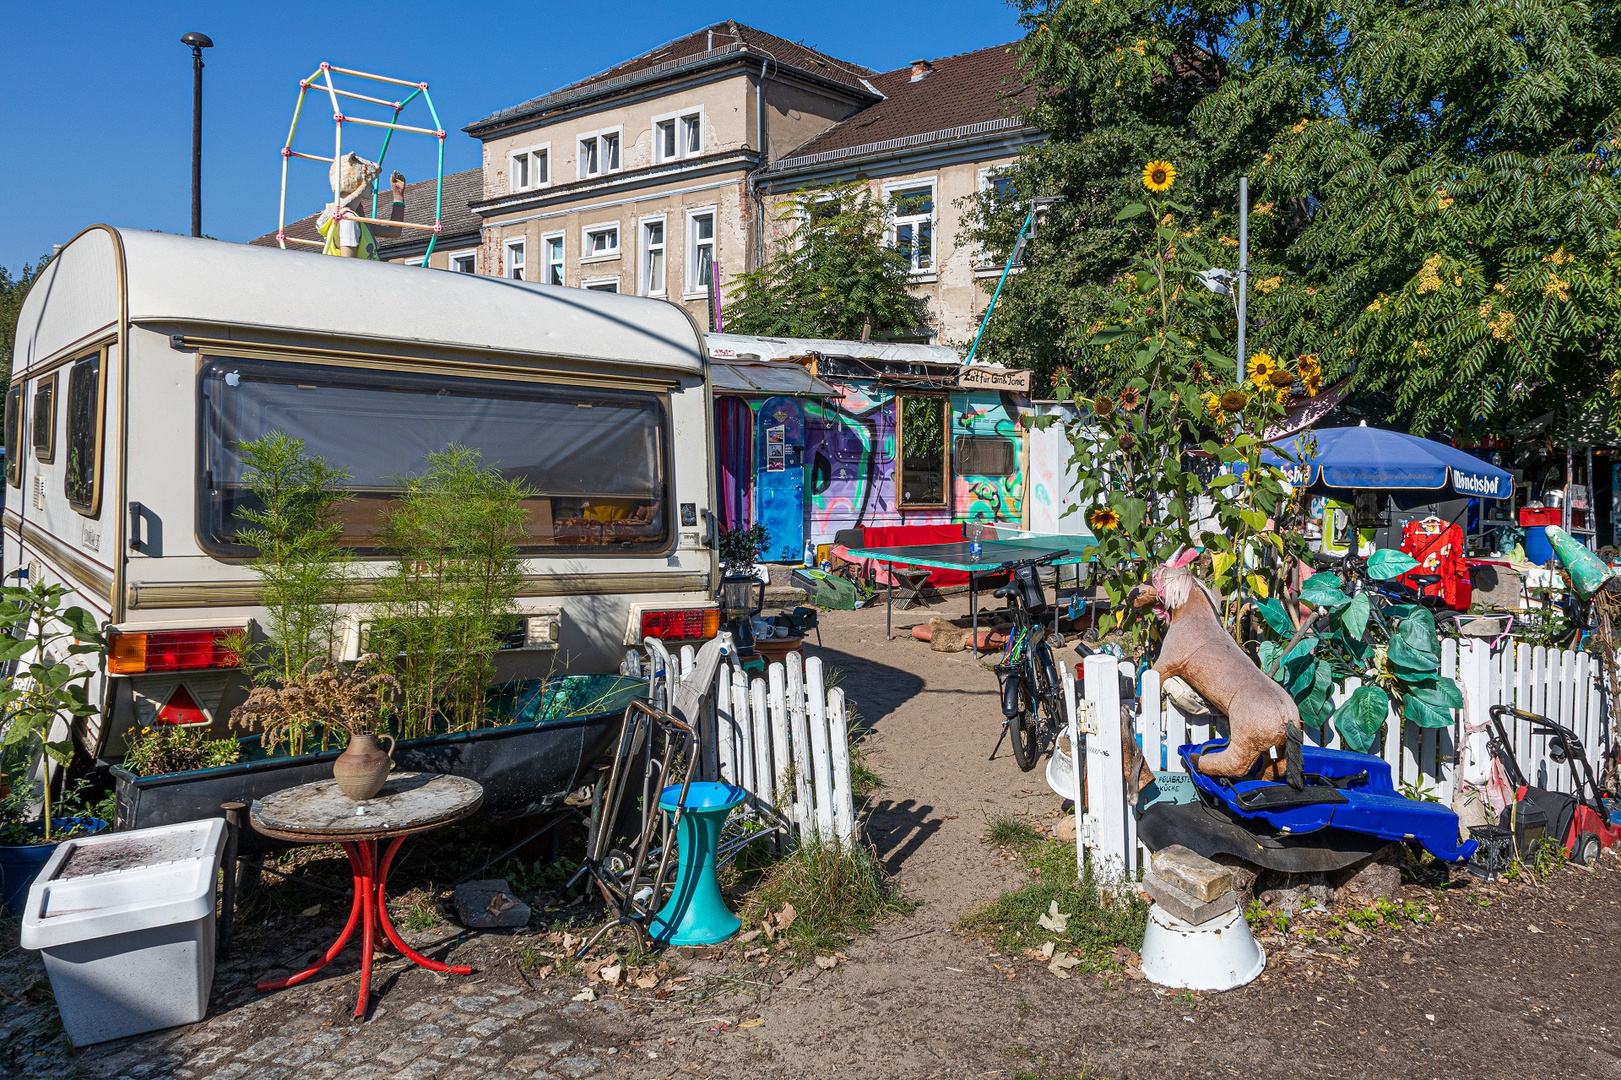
x: 319, y: 813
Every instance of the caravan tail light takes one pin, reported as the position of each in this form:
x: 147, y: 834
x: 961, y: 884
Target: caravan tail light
x: 685, y: 624
x: 169, y: 650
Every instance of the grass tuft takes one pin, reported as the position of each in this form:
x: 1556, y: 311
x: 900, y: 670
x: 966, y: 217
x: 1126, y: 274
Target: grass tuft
x: 1011, y: 831
x: 1096, y: 926
x: 863, y: 779
x: 836, y: 893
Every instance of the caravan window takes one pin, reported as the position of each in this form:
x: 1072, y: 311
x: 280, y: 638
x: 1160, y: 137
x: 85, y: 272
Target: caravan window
x: 82, y: 479
x: 597, y: 460
x: 14, y: 435
x: 45, y: 419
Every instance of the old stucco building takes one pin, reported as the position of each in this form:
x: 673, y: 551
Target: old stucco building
x: 662, y: 175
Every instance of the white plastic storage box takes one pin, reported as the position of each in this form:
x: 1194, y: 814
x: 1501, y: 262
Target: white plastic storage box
x: 126, y: 924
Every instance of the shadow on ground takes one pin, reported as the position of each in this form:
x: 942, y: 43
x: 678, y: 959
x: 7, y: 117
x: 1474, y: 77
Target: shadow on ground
x: 875, y: 689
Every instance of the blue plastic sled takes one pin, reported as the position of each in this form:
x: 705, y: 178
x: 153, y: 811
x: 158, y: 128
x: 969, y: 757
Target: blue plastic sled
x: 1348, y: 791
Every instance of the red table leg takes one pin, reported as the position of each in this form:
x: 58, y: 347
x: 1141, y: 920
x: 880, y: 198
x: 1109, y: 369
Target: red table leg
x: 355, y: 910
x: 388, y: 925
x: 368, y: 867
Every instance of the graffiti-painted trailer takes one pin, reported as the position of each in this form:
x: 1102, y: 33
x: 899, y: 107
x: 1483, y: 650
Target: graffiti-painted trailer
x: 144, y: 362
x: 873, y: 433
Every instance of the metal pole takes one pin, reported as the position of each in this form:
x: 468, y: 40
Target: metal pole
x: 197, y: 140
x: 1243, y: 270
x: 1007, y: 268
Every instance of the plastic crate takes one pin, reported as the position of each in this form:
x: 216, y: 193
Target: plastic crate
x: 1541, y: 516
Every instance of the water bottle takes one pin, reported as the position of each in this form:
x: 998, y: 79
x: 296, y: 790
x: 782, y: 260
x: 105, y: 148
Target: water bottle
x: 976, y: 545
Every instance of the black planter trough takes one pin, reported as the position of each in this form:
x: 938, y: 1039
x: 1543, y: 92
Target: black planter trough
x: 526, y: 767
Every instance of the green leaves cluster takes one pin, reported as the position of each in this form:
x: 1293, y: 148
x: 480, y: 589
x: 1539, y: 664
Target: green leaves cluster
x: 42, y: 636
x: 304, y: 572
x: 1394, y: 648
x: 832, y: 274
x: 447, y: 600
x: 1434, y: 189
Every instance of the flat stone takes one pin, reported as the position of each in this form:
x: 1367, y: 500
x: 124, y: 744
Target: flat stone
x: 1189, y: 909
x: 1191, y: 872
x: 578, y: 1065
x: 490, y: 905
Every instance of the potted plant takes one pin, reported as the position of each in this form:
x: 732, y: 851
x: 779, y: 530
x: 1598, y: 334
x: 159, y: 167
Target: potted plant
x: 739, y: 550
x: 51, y: 645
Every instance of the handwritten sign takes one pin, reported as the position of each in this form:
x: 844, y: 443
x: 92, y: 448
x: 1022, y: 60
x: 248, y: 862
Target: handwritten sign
x: 986, y: 377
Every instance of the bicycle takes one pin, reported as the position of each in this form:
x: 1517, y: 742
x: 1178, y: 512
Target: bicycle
x: 1354, y: 577
x: 1032, y: 695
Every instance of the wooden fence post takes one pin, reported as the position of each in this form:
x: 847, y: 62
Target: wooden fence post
x: 1105, y: 783
x: 838, y: 731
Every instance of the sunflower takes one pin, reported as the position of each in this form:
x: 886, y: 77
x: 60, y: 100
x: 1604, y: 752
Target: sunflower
x: 1261, y: 365
x: 1128, y: 441
x: 1281, y: 395
x: 1233, y: 401
x: 1313, y: 383
x: 1130, y: 398
x: 1158, y: 176
x: 1282, y: 377
x: 1103, y: 519
x: 1102, y: 406
x: 1310, y: 364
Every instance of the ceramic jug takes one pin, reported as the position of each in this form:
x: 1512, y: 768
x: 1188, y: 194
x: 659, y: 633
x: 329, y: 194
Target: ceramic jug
x: 363, y: 766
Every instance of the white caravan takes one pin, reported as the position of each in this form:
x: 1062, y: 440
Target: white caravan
x: 143, y: 361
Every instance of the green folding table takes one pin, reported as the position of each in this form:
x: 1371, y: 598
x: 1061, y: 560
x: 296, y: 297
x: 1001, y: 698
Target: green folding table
x: 995, y: 556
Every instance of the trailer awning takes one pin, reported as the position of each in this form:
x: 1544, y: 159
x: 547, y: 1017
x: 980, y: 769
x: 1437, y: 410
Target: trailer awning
x: 766, y: 378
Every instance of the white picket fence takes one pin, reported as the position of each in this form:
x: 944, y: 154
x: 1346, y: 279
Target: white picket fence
x: 1567, y: 687
x: 785, y: 739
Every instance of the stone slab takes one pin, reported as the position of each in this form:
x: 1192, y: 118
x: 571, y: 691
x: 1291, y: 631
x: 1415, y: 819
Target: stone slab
x: 1191, y: 872
x: 490, y: 905
x: 1187, y: 908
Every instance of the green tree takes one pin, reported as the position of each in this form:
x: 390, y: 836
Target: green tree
x: 832, y: 274
x: 13, y: 290
x: 1435, y: 187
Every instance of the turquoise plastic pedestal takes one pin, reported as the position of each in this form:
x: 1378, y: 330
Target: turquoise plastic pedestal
x: 695, y: 913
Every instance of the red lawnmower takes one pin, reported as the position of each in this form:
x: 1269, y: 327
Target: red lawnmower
x: 1583, y: 822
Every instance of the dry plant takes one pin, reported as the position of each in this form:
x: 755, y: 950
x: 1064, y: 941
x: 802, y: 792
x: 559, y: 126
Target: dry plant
x: 325, y: 694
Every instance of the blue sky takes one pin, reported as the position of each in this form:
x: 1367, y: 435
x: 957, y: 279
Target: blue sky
x: 96, y: 106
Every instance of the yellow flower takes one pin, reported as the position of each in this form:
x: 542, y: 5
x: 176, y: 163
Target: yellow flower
x: 1282, y: 377
x: 1140, y: 48
x: 1103, y: 519
x: 1227, y: 241
x: 1261, y: 365
x: 1378, y: 302
x: 1560, y: 257
x: 1442, y: 199
x: 1267, y: 285
x: 1429, y: 279
x: 1166, y: 220
x: 1263, y: 209
x: 1280, y: 396
x: 1300, y: 125
x: 1312, y: 383
x: 1556, y: 286
x: 1130, y: 398
x: 1158, y: 176
x: 1233, y: 401
x: 1310, y: 364
x: 1501, y: 324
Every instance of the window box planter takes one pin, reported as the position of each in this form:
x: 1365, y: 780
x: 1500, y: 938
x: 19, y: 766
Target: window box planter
x: 525, y: 767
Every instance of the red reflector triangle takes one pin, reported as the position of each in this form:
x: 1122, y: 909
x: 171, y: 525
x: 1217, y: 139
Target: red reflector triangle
x: 181, y: 709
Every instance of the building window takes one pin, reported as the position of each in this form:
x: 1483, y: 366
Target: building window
x: 514, y: 260
x: 700, y: 250
x: 553, y: 246
x: 602, y: 285
x: 912, y: 233
x: 531, y: 168
x: 983, y: 455
x: 464, y: 262
x: 920, y: 476
x: 601, y: 241
x: 599, y: 153
x: 82, y: 479
x: 678, y: 135
x: 653, y: 257
x: 45, y: 419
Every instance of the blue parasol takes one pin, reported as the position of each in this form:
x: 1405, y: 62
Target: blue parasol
x: 1373, y: 459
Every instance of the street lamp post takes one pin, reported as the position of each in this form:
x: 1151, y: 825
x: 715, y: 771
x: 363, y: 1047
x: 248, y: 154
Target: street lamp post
x: 198, y: 43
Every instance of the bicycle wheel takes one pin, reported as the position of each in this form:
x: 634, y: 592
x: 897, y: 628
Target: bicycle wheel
x: 1024, y: 726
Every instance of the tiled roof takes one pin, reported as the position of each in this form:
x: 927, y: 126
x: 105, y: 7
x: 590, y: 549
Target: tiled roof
x: 461, y: 189
x: 711, y: 42
x: 979, y: 90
